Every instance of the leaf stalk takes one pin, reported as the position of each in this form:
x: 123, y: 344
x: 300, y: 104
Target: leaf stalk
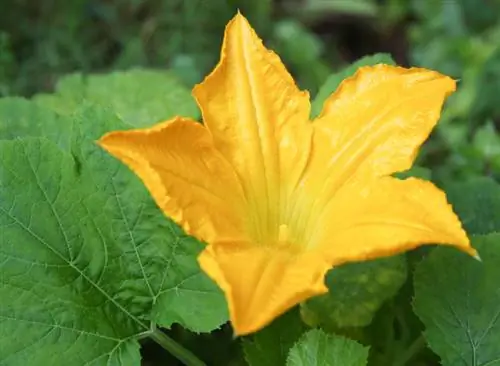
x: 175, y: 349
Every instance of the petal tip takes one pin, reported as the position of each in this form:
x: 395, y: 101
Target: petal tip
x: 477, y: 257
x: 106, y: 140
x: 468, y: 249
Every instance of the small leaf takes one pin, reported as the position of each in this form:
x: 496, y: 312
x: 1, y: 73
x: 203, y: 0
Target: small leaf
x: 415, y: 171
x: 332, y: 83
x: 477, y: 203
x: 140, y: 97
x: 270, y: 346
x: 458, y: 300
x: 357, y: 291
x: 316, y: 348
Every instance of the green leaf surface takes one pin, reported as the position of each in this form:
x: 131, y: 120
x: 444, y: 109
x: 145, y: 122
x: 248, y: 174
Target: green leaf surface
x: 316, y: 348
x: 140, y: 97
x: 332, y: 83
x: 183, y: 294
x: 477, y: 203
x: 20, y: 117
x: 357, y: 291
x: 87, y: 261
x: 487, y: 82
x: 415, y: 171
x: 487, y: 141
x: 65, y: 291
x: 270, y: 346
x: 302, y: 50
x: 458, y: 300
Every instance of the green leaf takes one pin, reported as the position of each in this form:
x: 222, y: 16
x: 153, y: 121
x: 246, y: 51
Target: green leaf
x: 487, y: 86
x: 20, y: 117
x: 487, y: 141
x: 87, y: 261
x: 357, y: 291
x: 65, y: 291
x: 458, y: 300
x: 302, y: 50
x: 477, y: 203
x: 332, y: 83
x: 319, y: 8
x: 184, y: 294
x: 270, y: 346
x: 318, y: 348
x: 140, y: 97
x: 415, y: 171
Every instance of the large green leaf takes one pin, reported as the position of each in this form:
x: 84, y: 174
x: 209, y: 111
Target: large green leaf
x: 316, y: 348
x: 20, y: 117
x: 332, y: 83
x: 185, y: 294
x: 477, y: 203
x: 270, y: 346
x: 140, y: 97
x: 66, y: 294
x: 87, y: 261
x: 357, y: 290
x: 458, y: 299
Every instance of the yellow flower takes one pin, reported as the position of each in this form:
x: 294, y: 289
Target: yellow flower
x: 279, y: 199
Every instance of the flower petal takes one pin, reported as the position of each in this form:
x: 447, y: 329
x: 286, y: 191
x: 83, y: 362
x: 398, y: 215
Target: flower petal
x: 259, y: 121
x: 370, y: 127
x: 386, y: 217
x: 188, y: 178
x: 377, y: 120
x: 262, y: 282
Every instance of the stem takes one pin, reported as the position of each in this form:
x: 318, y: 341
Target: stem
x: 417, y: 345
x: 179, y: 352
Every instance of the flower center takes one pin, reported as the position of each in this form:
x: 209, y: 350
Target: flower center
x: 284, y: 234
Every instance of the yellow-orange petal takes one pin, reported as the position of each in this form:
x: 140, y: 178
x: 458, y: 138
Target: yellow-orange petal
x: 262, y: 282
x: 259, y: 121
x: 188, y: 178
x: 378, y: 119
x: 371, y: 126
x: 385, y: 217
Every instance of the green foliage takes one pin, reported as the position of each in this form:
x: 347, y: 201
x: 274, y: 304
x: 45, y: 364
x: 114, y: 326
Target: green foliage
x: 317, y: 348
x: 89, y: 266
x: 357, y: 290
x: 477, y: 202
x: 460, y: 306
x: 415, y: 171
x: 459, y: 38
x: 139, y: 97
x: 20, y: 117
x: 270, y: 346
x: 303, y: 49
x: 64, y: 283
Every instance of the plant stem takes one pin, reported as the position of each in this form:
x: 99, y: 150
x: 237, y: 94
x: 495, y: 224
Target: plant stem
x: 417, y: 345
x: 179, y: 352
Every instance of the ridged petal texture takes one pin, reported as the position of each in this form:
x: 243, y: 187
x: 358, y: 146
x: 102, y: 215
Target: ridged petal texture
x: 279, y: 199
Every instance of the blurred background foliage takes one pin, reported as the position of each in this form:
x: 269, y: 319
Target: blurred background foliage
x: 40, y: 41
